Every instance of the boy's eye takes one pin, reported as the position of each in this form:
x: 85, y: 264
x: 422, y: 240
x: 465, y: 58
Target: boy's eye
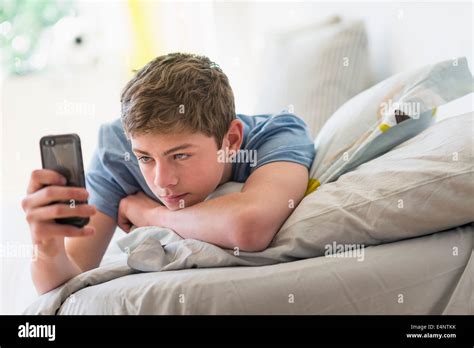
x: 144, y: 159
x: 181, y: 156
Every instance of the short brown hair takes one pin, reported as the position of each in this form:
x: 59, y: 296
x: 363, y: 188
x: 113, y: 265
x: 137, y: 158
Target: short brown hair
x: 178, y: 92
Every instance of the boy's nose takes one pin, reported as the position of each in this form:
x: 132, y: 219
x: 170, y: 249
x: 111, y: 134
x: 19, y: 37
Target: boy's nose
x: 164, y: 177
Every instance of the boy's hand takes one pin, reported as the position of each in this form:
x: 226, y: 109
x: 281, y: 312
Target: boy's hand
x: 137, y: 210
x: 46, y: 187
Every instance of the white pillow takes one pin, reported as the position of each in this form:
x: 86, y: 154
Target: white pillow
x: 311, y: 71
x: 384, y: 116
x: 424, y: 185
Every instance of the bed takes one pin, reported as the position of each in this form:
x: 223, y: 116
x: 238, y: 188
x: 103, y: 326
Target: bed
x: 417, y: 260
x: 414, y: 276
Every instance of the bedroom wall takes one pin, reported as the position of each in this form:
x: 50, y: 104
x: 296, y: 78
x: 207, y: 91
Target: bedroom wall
x: 402, y: 36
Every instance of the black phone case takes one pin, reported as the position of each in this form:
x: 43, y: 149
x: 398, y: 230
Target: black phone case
x: 64, y: 155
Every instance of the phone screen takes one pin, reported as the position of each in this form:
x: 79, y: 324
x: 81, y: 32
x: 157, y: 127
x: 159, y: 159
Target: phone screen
x: 62, y: 153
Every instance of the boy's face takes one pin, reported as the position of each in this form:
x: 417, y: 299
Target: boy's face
x: 183, y: 165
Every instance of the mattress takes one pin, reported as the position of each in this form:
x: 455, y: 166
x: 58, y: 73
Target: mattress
x: 432, y: 274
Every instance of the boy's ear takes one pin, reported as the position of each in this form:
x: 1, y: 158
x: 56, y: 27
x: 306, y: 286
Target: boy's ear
x: 234, y: 137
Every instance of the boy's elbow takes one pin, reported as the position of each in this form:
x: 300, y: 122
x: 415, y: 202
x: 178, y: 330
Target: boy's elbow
x: 245, y: 242
x: 249, y: 237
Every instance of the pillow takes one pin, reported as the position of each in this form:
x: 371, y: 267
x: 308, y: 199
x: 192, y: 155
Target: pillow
x: 312, y: 70
x: 226, y: 188
x: 422, y: 186
x: 384, y: 116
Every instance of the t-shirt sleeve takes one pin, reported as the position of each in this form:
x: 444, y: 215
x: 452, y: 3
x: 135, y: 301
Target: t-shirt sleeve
x: 284, y: 137
x: 108, y: 178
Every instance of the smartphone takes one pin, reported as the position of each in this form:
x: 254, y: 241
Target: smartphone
x: 63, y: 154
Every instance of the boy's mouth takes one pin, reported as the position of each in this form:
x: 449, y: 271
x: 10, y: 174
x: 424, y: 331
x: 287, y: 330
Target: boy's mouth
x: 173, y: 198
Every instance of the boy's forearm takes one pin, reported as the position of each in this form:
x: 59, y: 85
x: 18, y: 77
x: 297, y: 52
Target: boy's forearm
x: 47, y: 274
x: 216, y: 221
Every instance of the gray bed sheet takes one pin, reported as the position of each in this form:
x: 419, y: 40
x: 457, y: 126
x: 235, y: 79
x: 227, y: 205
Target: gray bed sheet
x: 433, y: 274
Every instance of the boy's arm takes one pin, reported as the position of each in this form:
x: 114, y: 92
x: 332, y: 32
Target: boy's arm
x: 88, y: 252
x: 62, y: 251
x: 78, y: 255
x: 248, y: 219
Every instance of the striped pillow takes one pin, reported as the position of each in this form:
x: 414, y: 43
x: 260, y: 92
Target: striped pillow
x: 311, y: 71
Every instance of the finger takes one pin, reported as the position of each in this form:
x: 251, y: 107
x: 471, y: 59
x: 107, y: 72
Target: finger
x: 124, y: 224
x: 51, y: 194
x: 54, y: 230
x: 59, y: 210
x: 122, y: 220
x: 125, y: 227
x: 43, y: 177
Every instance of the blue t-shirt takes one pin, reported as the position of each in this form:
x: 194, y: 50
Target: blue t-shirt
x: 114, y: 172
